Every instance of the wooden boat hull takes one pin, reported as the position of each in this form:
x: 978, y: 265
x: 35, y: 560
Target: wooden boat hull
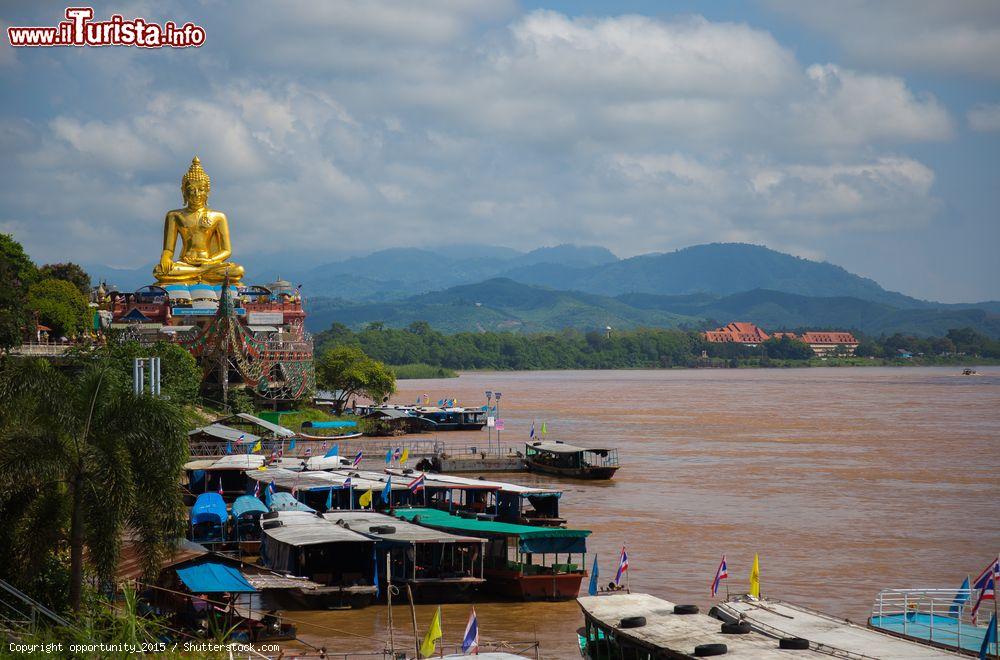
x: 575, y: 473
x: 349, y: 436
x: 518, y: 586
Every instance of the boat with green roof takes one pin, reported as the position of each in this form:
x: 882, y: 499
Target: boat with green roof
x: 521, y: 562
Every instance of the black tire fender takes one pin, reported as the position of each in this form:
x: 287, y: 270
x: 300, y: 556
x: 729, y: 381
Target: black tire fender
x: 706, y: 650
x: 686, y: 609
x: 735, y: 628
x: 793, y: 643
x: 632, y: 622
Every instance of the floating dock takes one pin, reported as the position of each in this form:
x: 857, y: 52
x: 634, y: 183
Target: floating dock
x: 666, y: 634
x: 826, y: 633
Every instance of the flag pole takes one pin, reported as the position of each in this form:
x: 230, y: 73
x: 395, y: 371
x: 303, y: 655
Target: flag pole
x: 628, y: 569
x: 388, y: 597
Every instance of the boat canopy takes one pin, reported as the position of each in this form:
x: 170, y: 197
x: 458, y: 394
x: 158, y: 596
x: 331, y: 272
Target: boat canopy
x: 209, y: 507
x: 214, y: 578
x: 226, y: 433
x: 329, y: 425
x: 285, y: 502
x: 530, y: 539
x: 558, y: 447
x: 299, y: 528
x: 245, y: 504
x: 366, y: 522
x: 456, y: 482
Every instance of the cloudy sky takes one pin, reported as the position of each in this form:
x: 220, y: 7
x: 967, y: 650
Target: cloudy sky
x: 862, y: 133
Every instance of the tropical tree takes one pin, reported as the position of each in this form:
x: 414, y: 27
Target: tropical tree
x: 17, y: 272
x: 70, y: 272
x: 60, y: 305
x: 89, y: 461
x: 349, y: 372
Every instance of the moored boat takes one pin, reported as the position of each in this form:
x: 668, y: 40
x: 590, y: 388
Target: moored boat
x: 557, y: 457
x: 521, y: 562
x: 246, y: 513
x: 208, y: 518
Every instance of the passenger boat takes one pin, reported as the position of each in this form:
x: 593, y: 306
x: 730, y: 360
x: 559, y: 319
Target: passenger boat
x: 439, y: 567
x: 940, y: 617
x: 336, y: 424
x: 836, y: 636
x: 506, y: 502
x: 246, y: 512
x: 307, y: 545
x: 285, y: 502
x: 643, y: 627
x: 433, y: 418
x: 557, y: 457
x: 228, y: 472
x: 208, y: 518
x: 521, y: 562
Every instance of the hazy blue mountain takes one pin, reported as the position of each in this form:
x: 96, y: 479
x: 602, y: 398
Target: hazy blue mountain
x: 502, y: 304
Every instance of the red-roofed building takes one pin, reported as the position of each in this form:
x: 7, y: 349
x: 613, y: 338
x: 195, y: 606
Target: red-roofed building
x: 824, y: 342
x: 737, y: 332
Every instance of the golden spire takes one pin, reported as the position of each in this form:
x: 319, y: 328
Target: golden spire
x: 196, y: 173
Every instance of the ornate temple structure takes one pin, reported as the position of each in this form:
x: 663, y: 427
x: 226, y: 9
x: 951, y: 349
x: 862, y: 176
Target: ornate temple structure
x: 250, y: 337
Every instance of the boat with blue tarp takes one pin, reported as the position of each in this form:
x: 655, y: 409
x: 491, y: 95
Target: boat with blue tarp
x: 246, y: 512
x: 521, y: 562
x: 282, y: 501
x: 339, y: 426
x: 208, y: 519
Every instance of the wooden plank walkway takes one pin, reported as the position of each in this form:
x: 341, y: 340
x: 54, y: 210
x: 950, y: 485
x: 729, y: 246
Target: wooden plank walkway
x: 838, y: 637
x: 676, y: 635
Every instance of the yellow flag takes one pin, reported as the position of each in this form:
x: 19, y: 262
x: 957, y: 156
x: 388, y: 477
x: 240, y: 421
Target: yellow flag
x: 405, y: 455
x: 755, y: 578
x: 256, y: 446
x: 432, y: 636
x: 366, y: 499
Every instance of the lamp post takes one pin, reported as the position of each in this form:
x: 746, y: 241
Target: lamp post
x: 489, y: 431
x: 497, y: 395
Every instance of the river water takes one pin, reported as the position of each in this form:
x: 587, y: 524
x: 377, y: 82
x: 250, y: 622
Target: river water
x: 845, y: 481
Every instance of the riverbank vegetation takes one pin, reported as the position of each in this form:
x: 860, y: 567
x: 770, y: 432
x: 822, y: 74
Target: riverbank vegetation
x: 643, y: 348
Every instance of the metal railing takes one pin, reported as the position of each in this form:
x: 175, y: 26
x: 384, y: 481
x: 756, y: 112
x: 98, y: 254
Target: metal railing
x: 53, y: 349
x: 941, y: 616
x: 20, y: 612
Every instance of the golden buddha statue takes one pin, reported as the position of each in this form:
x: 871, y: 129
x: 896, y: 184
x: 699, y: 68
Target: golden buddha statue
x: 204, y: 233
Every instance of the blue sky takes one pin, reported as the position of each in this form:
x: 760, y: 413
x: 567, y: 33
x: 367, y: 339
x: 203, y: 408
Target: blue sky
x: 862, y: 133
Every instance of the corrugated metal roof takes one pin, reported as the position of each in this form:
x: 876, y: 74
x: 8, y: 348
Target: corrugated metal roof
x: 130, y: 562
x: 446, y: 480
x: 562, y: 448
x: 223, y: 432
x: 362, y: 522
x: 309, y: 479
x: 279, y: 431
x: 299, y: 528
x: 444, y: 520
x: 238, y: 462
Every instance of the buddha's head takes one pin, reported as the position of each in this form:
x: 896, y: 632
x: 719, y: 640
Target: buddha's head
x: 195, y: 186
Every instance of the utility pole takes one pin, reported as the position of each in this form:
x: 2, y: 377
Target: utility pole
x: 497, y: 395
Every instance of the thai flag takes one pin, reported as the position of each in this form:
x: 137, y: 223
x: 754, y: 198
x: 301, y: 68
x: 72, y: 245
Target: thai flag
x: 721, y: 574
x: 220, y: 484
x: 531, y: 433
x: 256, y: 489
x: 347, y: 483
x: 470, y: 642
x: 622, y: 566
x: 357, y: 458
x: 994, y: 568
x: 417, y: 484
x: 270, y: 487
x: 988, y: 592
x: 309, y: 451
x: 241, y: 438
x: 397, y: 453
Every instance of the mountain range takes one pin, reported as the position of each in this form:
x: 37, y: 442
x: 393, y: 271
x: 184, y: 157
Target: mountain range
x: 480, y: 287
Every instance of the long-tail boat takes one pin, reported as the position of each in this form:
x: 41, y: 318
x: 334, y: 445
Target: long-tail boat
x: 557, y: 457
x: 246, y: 512
x: 208, y: 519
x: 439, y: 566
x: 521, y: 562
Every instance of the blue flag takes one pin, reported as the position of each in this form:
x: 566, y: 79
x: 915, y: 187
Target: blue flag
x: 961, y: 598
x: 990, y: 638
x: 375, y: 559
x: 387, y: 491
x: 229, y: 447
x: 593, y: 579
x: 334, y: 451
x: 388, y: 457
x: 291, y: 444
x: 329, y: 499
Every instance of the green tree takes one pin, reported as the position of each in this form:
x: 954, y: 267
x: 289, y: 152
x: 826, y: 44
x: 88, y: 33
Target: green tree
x: 349, y: 372
x: 60, y: 305
x: 786, y: 348
x: 180, y: 377
x: 101, y: 459
x: 72, y: 273
x: 17, y: 273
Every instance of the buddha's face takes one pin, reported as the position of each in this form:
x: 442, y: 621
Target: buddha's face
x: 196, y: 193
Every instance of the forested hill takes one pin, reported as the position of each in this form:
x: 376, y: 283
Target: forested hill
x: 504, y: 305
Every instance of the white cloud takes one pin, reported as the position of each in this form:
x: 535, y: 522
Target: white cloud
x: 985, y: 117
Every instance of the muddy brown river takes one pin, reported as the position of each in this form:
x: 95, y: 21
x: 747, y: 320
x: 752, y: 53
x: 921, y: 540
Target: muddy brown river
x: 845, y: 481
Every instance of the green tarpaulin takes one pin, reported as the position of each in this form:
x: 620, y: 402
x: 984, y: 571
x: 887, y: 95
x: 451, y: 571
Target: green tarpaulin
x: 532, y: 539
